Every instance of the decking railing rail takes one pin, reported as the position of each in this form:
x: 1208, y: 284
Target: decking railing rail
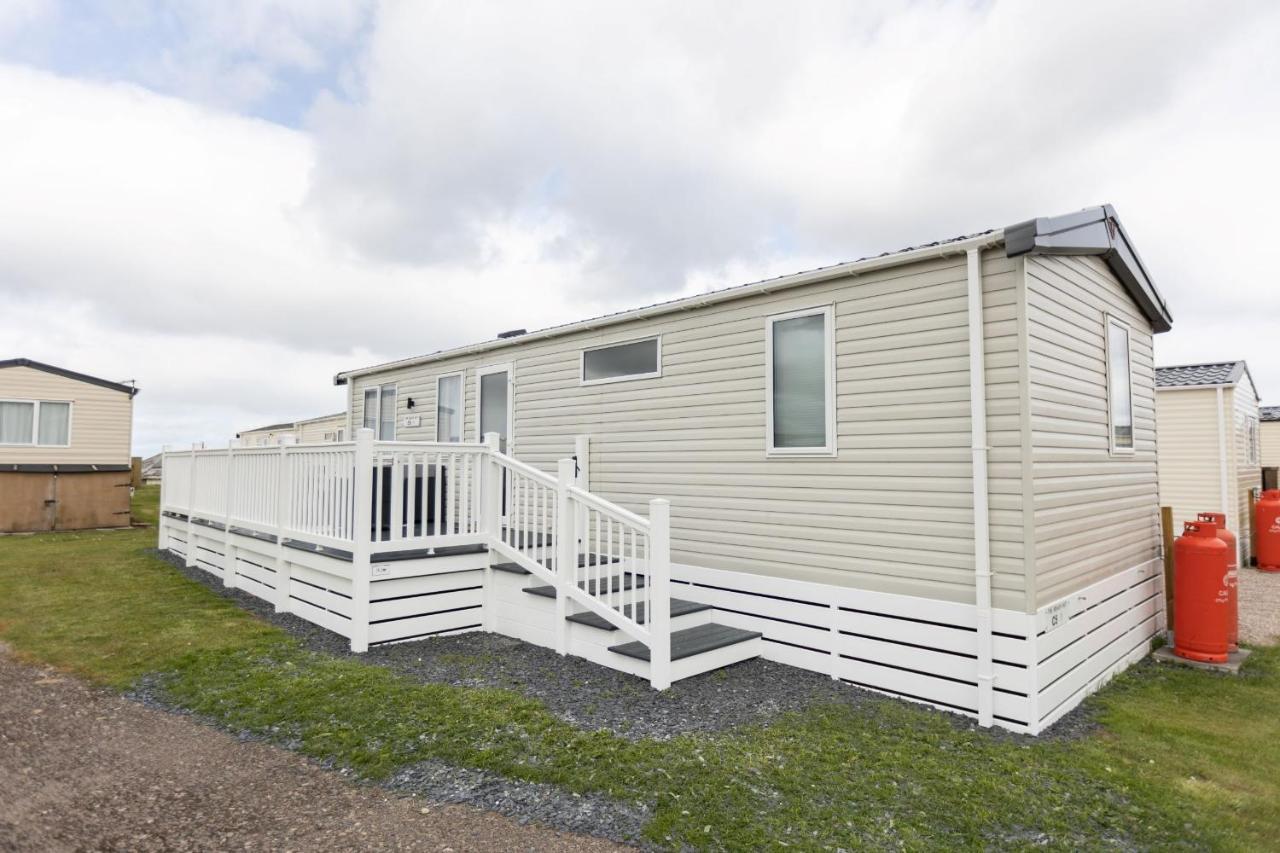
x: 368, y: 500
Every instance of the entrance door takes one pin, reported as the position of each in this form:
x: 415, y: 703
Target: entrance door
x: 493, y: 393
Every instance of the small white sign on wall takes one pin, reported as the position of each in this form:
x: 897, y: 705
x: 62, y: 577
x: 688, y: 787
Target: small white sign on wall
x: 411, y: 421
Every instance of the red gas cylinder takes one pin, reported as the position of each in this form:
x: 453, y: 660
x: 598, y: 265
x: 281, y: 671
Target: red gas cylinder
x: 1266, y: 516
x: 1233, y: 574
x: 1200, y: 619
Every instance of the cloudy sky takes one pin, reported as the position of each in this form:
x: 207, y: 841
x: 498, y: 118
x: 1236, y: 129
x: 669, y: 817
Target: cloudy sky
x: 230, y: 201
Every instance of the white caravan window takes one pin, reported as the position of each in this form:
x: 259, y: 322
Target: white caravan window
x: 1120, y: 386
x: 800, y: 379
x: 1251, y: 440
x: 380, y: 411
x: 387, y: 406
x: 35, y: 422
x: 449, y: 407
x: 619, y: 362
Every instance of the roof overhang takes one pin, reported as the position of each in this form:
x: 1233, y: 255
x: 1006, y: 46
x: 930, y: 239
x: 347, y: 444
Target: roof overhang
x: 131, y: 390
x: 1094, y: 231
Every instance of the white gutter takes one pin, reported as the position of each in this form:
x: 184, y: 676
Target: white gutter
x: 981, y: 500
x: 699, y: 301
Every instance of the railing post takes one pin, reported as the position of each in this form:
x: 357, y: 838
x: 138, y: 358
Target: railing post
x: 659, y: 582
x: 566, y: 562
x: 228, y: 550
x: 362, y: 542
x: 162, y: 528
x: 284, y: 505
x: 190, y: 559
x: 490, y: 520
x: 582, y: 455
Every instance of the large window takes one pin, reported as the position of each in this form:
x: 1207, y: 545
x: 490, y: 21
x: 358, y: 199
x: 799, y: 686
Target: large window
x: 618, y: 362
x: 1120, y: 387
x: 449, y: 407
x: 801, y: 388
x: 380, y: 411
x: 35, y: 422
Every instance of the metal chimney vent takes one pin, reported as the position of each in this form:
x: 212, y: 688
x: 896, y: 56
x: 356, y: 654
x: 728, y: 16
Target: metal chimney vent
x: 514, y: 333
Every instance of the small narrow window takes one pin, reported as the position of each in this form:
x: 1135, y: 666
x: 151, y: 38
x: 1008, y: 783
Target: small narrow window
x: 1120, y: 381
x: 1251, y: 441
x: 17, y: 422
x: 799, y: 375
x: 387, y: 406
x: 618, y: 362
x: 449, y: 408
x: 55, y: 424
x: 371, y: 408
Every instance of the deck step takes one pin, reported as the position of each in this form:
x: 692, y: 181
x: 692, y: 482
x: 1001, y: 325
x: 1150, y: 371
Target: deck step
x: 513, y: 568
x: 691, y: 641
x: 679, y: 607
x: 617, y: 583
x: 584, y: 561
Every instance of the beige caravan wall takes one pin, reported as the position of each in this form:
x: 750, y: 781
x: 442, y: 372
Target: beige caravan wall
x: 1245, y: 473
x: 1270, y: 436
x: 1190, y: 471
x: 892, y: 512
x: 101, y: 419
x: 1095, y: 513
x: 322, y: 429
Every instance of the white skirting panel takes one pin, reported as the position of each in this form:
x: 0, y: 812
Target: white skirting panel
x: 408, y: 600
x: 926, y: 650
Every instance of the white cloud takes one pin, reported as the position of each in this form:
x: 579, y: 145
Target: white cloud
x: 489, y: 166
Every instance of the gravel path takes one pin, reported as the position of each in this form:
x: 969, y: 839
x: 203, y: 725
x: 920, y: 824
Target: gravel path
x: 1259, y: 606
x: 83, y: 769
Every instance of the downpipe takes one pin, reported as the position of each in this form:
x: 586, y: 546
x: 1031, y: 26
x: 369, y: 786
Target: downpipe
x: 981, y: 496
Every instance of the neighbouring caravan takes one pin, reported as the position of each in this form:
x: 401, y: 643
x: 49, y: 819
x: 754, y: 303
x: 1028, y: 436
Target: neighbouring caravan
x: 930, y: 473
x: 1269, y: 438
x: 313, y: 430
x: 65, y: 441
x: 1210, y: 444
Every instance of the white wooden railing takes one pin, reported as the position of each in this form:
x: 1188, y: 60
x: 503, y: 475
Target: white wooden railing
x: 367, y: 500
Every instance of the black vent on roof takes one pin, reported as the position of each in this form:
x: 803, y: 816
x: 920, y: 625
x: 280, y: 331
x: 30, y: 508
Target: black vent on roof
x: 514, y: 333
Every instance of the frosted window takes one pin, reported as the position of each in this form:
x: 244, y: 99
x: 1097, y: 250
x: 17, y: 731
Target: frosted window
x: 55, y: 423
x: 449, y: 408
x: 1121, y: 389
x: 624, y: 360
x: 799, y: 371
x: 17, y: 421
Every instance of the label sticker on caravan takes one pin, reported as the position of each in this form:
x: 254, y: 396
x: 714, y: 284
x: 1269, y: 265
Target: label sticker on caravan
x: 1055, y: 615
x: 380, y: 569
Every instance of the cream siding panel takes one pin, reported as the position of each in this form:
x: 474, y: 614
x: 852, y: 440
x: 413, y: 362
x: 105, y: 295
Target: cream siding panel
x: 891, y: 512
x: 101, y: 419
x: 1094, y: 513
x: 1270, y: 438
x: 1189, y: 461
x: 1243, y: 476
x: 312, y: 431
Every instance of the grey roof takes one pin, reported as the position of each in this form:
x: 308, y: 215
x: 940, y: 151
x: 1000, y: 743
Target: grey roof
x: 1093, y: 231
x: 1269, y: 413
x: 268, y: 428
x: 1191, y: 375
x: 128, y: 388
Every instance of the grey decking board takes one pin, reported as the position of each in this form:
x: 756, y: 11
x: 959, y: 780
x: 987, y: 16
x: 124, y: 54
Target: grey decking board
x: 691, y: 641
x: 679, y: 607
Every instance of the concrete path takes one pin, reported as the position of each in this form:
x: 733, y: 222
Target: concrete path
x: 83, y: 769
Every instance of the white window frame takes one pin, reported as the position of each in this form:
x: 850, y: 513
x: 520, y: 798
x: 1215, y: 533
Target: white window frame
x: 631, y: 377
x: 1252, y: 440
x: 829, y: 362
x: 35, y: 422
x: 509, y: 369
x: 377, y: 418
x: 462, y: 404
x: 1110, y: 320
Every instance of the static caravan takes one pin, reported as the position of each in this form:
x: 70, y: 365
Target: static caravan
x: 930, y: 473
x: 1210, y: 445
x: 1269, y: 439
x: 324, y: 428
x: 269, y: 435
x: 65, y: 443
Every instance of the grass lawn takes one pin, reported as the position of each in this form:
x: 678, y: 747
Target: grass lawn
x: 1183, y: 759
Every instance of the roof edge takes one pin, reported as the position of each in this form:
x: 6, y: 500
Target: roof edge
x: 1093, y: 231
x: 131, y: 390
x: 741, y: 291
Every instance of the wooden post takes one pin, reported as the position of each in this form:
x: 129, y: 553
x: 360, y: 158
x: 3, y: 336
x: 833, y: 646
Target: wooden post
x: 491, y: 520
x: 566, y: 562
x: 362, y: 542
x: 284, y: 505
x: 228, y: 549
x: 1166, y: 538
x: 135, y: 472
x: 190, y: 559
x: 659, y: 581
